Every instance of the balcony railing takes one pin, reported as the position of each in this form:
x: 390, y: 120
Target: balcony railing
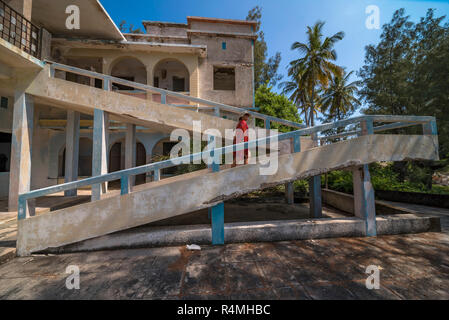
x: 17, y: 30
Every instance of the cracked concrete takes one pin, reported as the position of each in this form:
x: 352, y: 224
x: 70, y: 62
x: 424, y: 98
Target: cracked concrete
x: 412, y: 267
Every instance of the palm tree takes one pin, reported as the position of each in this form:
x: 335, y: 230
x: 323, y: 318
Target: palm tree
x: 313, y: 70
x: 339, y: 98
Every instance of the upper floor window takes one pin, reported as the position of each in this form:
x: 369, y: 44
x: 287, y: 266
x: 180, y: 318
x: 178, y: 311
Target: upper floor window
x: 224, y: 78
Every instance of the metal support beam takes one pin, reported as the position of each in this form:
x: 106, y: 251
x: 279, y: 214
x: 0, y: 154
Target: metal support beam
x: 364, y: 203
x: 22, y: 136
x: 72, y: 149
x: 100, y: 151
x: 130, y: 151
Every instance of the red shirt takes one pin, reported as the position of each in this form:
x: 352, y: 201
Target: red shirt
x: 242, y: 125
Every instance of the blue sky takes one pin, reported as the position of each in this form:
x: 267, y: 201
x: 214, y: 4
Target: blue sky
x: 284, y: 21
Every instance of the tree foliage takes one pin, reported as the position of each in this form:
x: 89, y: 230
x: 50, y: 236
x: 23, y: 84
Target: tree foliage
x: 276, y: 105
x: 265, y: 69
x: 129, y: 28
x: 313, y: 70
x: 407, y: 72
x: 339, y: 99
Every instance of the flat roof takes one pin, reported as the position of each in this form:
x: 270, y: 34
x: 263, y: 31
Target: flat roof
x: 95, y: 22
x: 164, y: 23
x: 218, y: 20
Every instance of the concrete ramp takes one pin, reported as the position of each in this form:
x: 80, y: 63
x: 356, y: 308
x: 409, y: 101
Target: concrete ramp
x: 162, y: 117
x: 191, y: 192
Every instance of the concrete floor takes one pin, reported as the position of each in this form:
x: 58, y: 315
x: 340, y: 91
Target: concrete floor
x: 412, y: 267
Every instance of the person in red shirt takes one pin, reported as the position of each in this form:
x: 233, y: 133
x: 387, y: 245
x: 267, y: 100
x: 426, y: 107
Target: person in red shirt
x: 241, y: 136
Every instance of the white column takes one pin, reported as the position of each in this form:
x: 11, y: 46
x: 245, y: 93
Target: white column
x: 364, y: 202
x: 72, y: 150
x: 130, y: 151
x: 100, y: 151
x: 22, y: 134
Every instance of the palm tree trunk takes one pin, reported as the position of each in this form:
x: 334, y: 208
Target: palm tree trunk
x: 312, y: 105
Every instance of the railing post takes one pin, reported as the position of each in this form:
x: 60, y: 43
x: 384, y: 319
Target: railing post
x: 267, y: 124
x: 52, y: 71
x: 106, y: 84
x: 430, y: 128
x: 163, y: 98
x: 157, y: 175
x: 124, y: 184
x: 297, y: 143
x: 289, y: 187
x: 367, y: 127
x: 22, y: 209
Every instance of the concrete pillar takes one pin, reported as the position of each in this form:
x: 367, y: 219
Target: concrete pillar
x: 216, y: 213
x: 150, y: 80
x: 194, y: 81
x: 130, y: 151
x: 316, y: 210
x: 22, y: 134
x: 100, y: 151
x: 217, y: 217
x: 364, y: 203
x: 72, y: 139
x: 289, y: 194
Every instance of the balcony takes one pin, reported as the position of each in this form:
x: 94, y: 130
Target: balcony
x: 18, y: 31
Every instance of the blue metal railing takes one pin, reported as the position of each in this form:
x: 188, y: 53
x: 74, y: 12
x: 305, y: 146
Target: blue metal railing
x: 366, y: 123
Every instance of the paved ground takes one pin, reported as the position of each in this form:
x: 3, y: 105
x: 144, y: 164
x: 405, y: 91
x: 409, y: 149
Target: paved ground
x: 8, y: 235
x: 412, y: 267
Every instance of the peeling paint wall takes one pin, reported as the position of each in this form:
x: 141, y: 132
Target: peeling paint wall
x: 238, y: 55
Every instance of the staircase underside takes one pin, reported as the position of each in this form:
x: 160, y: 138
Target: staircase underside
x: 191, y: 192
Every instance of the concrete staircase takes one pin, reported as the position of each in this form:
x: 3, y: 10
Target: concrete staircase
x: 209, y: 188
x: 202, y: 189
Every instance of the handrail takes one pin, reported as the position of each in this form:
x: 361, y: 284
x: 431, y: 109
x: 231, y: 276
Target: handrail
x: 428, y: 123
x: 165, y: 93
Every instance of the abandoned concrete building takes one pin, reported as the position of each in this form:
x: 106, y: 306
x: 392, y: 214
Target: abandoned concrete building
x: 205, y: 58
x: 86, y: 106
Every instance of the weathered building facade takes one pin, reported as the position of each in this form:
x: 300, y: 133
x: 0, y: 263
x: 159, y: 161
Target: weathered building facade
x: 205, y: 58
